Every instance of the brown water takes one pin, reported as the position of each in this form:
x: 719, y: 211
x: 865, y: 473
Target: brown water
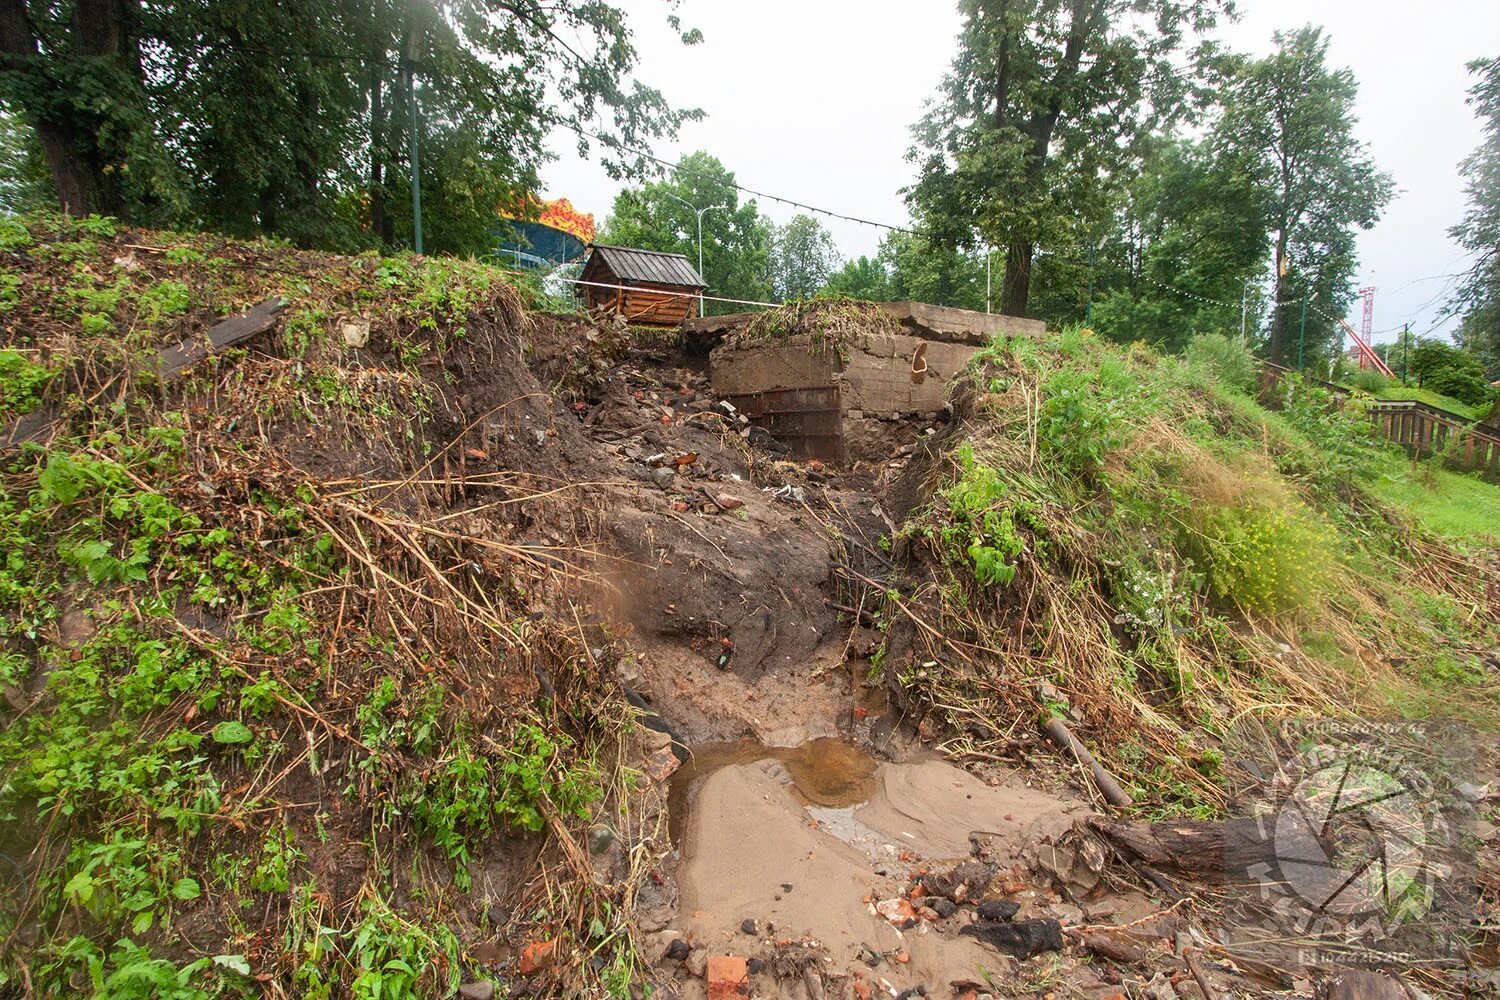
x: 827, y: 773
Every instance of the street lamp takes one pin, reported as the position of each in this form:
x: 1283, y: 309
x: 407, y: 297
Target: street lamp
x: 699, y: 212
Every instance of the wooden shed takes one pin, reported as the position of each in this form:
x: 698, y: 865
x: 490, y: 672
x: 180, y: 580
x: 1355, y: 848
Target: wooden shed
x: 660, y: 289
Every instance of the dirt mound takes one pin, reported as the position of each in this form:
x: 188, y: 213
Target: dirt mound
x: 352, y: 601
x: 321, y: 595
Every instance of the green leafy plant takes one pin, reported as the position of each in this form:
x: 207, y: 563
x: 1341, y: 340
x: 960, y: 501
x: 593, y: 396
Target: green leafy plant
x: 983, y: 524
x: 22, y: 381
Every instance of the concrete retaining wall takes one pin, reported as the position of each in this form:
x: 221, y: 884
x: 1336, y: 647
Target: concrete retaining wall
x: 887, y: 377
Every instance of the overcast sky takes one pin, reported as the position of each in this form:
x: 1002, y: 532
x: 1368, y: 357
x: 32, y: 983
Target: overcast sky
x: 813, y: 100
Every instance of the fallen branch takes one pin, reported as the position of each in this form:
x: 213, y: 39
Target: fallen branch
x: 1057, y: 730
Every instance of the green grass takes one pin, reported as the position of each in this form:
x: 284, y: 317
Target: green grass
x: 1464, y: 410
x: 1458, y: 507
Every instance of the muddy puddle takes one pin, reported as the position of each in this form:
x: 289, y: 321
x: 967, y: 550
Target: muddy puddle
x: 824, y: 774
x: 799, y: 843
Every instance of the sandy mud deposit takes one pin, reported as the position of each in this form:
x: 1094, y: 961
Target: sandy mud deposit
x: 822, y: 848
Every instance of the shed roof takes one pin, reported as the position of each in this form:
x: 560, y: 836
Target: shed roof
x: 630, y: 264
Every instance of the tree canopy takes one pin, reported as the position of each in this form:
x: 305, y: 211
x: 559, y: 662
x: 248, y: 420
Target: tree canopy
x: 1288, y: 124
x: 296, y: 118
x: 1478, y: 296
x: 663, y: 215
x: 1041, y: 114
x: 803, y: 258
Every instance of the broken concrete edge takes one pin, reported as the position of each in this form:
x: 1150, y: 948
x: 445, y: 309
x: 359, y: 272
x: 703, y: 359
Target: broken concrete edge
x: 923, y: 319
x: 817, y: 400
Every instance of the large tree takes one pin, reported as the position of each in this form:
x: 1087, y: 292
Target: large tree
x: 1191, y: 241
x: 802, y: 258
x: 1478, y: 296
x: 1289, y: 123
x: 860, y: 278
x: 296, y: 118
x: 925, y: 269
x: 1040, y: 114
x: 664, y: 214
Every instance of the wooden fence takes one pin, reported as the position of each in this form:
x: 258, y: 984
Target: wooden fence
x: 1426, y: 430
x: 1422, y: 429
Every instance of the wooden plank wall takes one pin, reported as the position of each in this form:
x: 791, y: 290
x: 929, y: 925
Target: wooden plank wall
x: 647, y: 305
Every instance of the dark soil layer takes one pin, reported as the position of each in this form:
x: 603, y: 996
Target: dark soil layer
x: 311, y: 657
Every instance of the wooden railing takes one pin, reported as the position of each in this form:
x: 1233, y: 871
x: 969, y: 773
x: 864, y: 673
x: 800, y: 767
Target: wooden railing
x: 1421, y: 428
x: 1426, y: 430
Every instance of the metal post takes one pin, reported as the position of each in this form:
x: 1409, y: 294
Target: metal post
x: 989, y: 252
x: 1302, y: 333
x: 700, y: 259
x: 698, y: 212
x: 1405, y: 350
x: 414, y: 142
x: 1088, y: 310
x: 1244, y: 304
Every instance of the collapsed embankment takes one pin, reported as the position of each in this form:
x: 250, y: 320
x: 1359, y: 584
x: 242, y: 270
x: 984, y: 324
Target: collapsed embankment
x: 295, y: 670
x: 322, y: 658
x: 324, y: 664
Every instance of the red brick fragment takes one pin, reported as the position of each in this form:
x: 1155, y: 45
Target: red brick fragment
x: 728, y: 977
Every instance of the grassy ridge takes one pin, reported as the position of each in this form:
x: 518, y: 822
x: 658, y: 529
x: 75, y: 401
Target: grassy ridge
x: 1442, y: 402
x: 1137, y: 539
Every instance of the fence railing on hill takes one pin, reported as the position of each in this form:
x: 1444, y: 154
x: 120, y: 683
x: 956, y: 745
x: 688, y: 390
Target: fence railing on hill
x: 1421, y: 428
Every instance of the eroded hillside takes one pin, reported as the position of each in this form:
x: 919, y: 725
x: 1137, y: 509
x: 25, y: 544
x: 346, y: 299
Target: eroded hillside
x: 362, y: 657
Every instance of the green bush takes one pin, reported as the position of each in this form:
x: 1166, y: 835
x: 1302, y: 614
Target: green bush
x: 1266, y: 558
x: 1083, y: 416
x: 1453, y: 372
x: 983, y: 525
x: 1228, y: 359
x: 1369, y: 380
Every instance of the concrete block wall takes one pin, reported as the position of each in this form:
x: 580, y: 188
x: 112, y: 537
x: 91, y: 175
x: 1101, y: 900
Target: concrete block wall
x: 877, y: 374
x: 876, y: 395
x: 739, y: 366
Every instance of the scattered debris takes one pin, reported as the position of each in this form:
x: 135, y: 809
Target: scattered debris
x: 1021, y: 939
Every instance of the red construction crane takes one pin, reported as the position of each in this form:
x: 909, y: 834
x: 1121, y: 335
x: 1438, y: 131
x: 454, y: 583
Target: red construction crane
x: 1367, y: 356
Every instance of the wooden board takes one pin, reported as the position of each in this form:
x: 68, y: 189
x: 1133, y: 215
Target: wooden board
x: 170, y: 361
x: 226, y: 333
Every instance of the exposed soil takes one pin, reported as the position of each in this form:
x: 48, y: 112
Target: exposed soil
x: 589, y: 493
x: 807, y: 805
x: 844, y: 841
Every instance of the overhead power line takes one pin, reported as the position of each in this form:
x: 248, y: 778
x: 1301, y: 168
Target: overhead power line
x: 614, y: 143
x: 678, y: 168
x: 558, y: 120
x: 663, y: 291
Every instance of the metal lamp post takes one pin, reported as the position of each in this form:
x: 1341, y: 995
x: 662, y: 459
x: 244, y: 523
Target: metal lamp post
x: 699, y: 213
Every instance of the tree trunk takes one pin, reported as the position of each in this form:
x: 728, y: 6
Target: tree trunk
x: 20, y: 53
x: 1278, y: 306
x: 1039, y: 128
x: 77, y: 193
x: 1017, y: 285
x: 1228, y: 849
x: 68, y: 133
x: 380, y: 220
